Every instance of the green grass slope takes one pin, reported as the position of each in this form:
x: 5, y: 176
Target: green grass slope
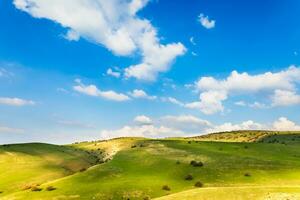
x: 140, y: 168
x: 25, y: 165
x: 251, y: 136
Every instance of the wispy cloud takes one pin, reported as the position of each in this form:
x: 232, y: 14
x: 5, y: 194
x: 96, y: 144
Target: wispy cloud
x: 92, y: 90
x: 4, y: 129
x: 15, y: 101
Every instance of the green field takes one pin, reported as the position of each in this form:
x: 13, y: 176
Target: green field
x: 267, y: 167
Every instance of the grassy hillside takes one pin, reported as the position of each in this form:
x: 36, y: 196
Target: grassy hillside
x: 251, y: 136
x: 26, y: 165
x: 139, y: 168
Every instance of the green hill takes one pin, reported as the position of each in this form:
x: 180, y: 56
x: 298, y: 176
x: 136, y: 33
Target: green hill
x: 137, y: 168
x: 27, y: 165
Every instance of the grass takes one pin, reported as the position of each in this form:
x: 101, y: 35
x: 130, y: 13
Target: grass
x: 23, y: 166
x: 143, y: 171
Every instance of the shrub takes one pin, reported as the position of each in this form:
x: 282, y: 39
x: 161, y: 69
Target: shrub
x: 146, y: 198
x: 26, y: 187
x: 189, y: 177
x: 247, y: 174
x: 82, y: 169
x: 177, y: 162
x: 189, y: 142
x: 35, y: 189
x: 196, y: 163
x: 1, y: 192
x: 246, y: 147
x: 50, y: 188
x: 166, y: 187
x: 198, y: 184
x: 133, y: 146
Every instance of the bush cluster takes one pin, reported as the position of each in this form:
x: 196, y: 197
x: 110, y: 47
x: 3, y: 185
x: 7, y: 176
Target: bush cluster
x: 198, y: 184
x: 189, y: 177
x: 50, y: 188
x: 166, y: 187
x: 196, y: 163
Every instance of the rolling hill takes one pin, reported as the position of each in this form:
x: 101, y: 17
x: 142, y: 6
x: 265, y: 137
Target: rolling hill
x: 139, y: 168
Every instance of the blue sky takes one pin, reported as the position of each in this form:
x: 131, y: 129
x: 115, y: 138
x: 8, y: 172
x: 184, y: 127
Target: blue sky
x: 82, y: 70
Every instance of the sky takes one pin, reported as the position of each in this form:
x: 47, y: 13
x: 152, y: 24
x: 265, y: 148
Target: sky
x: 77, y: 70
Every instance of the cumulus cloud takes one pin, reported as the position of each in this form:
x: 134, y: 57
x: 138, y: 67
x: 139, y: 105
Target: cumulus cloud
x: 113, y: 24
x: 141, y: 131
x: 142, y: 119
x: 141, y: 94
x: 115, y: 74
x: 92, y: 90
x: 210, y: 102
x: 206, y: 22
x: 214, y: 91
x: 15, y: 101
x: 285, y: 98
x: 283, y: 124
x: 189, y: 125
x: 186, y: 123
x: 247, y: 125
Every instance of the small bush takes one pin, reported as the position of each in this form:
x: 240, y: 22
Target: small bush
x: 50, y: 188
x: 133, y: 146
x: 82, y: 169
x: 189, y: 177
x: 189, y: 142
x: 35, y: 189
x: 196, y: 163
x: 146, y: 198
x: 177, y: 162
x: 166, y: 187
x: 198, y: 184
x: 1, y: 192
x: 245, y: 147
x: 247, y: 174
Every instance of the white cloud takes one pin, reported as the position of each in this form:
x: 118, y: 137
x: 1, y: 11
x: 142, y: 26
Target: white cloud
x: 92, y: 90
x: 141, y: 131
x: 194, y: 54
x: 4, y: 129
x: 285, y: 98
x: 157, y: 58
x: 141, y: 94
x: 142, y: 119
x: 247, y: 125
x: 240, y: 103
x: 186, y: 123
x: 72, y: 35
x: 15, y: 101
x: 213, y: 91
x: 113, y: 24
x: 192, y: 41
x: 283, y: 124
x: 172, y: 100
x: 210, y: 102
x: 206, y: 22
x: 115, y: 74
x: 258, y: 105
